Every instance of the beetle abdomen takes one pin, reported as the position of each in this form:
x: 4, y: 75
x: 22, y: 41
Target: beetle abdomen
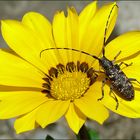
x: 121, y: 84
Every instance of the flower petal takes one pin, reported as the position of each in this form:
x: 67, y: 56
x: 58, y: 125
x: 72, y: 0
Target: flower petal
x: 126, y: 108
x: 128, y: 43
x: 93, y: 35
x: 66, y: 33
x: 133, y: 71
x: 85, y: 18
x: 89, y: 106
x: 19, y: 102
x: 75, y: 118
x: 24, y: 42
x: 40, y: 25
x: 72, y: 30
x: 51, y: 111
x: 43, y: 29
x: 26, y: 122
x: 60, y: 34
x: 17, y: 72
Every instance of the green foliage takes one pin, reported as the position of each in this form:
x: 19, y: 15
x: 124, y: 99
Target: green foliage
x: 89, y: 134
x: 49, y: 138
x: 93, y: 135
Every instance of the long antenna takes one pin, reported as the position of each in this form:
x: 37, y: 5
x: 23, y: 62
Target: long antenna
x: 71, y: 50
x: 106, y: 27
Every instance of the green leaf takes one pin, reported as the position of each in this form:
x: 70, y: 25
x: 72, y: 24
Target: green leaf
x: 93, y: 135
x: 49, y: 138
x: 87, y: 134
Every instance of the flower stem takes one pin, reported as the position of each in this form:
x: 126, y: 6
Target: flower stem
x: 83, y: 133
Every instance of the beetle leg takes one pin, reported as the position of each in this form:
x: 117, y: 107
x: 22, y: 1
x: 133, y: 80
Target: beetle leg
x: 114, y: 96
x: 133, y: 79
x: 127, y: 65
x: 103, y: 84
x: 99, y: 71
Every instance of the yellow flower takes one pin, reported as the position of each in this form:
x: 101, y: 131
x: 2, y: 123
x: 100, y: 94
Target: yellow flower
x: 42, y: 89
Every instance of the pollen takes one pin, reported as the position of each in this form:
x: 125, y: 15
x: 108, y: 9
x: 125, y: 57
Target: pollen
x: 69, y: 86
x: 69, y: 82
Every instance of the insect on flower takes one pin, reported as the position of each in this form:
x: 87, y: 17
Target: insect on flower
x: 120, y: 83
x: 65, y: 80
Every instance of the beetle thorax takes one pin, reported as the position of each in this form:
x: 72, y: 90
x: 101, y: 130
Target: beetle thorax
x: 105, y: 63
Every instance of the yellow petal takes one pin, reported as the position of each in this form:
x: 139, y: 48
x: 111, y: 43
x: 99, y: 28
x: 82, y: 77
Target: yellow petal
x: 133, y: 71
x: 59, y: 29
x: 51, y: 111
x: 127, y: 43
x: 126, y: 108
x: 24, y: 42
x: 89, y: 106
x: 17, y: 72
x: 85, y: 17
x: 40, y: 25
x: 72, y: 30
x: 92, y: 39
x: 15, y: 88
x: 75, y: 118
x: 66, y: 35
x: 16, y: 103
x: 25, y: 123
x: 43, y: 29
x: 65, y: 31
x: 60, y: 33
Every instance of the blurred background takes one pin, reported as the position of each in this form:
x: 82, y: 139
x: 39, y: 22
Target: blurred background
x: 116, y: 127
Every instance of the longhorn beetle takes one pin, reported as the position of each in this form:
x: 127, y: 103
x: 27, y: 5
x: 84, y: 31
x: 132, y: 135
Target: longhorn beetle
x: 120, y: 83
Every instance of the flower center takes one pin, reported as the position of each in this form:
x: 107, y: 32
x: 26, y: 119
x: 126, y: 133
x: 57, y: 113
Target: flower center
x: 69, y: 85
x: 69, y: 82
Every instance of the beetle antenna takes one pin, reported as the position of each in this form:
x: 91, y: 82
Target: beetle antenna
x: 71, y: 50
x: 106, y: 27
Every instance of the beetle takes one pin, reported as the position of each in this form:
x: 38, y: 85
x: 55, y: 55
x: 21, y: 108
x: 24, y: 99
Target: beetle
x: 119, y: 82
